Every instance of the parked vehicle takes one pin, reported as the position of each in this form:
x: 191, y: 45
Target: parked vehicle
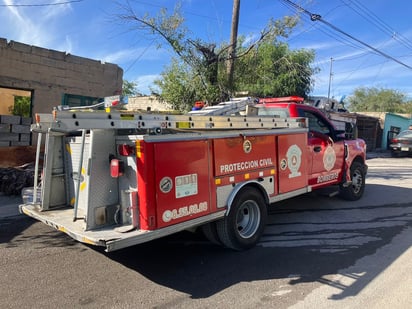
x: 117, y: 179
x: 401, y: 144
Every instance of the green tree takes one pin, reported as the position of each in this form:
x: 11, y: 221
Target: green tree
x: 378, y: 100
x: 202, y: 61
x: 129, y: 88
x: 408, y: 107
x: 275, y: 70
x: 21, y: 107
x: 270, y: 70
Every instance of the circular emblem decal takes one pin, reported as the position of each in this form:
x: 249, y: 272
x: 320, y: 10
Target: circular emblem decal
x: 294, y: 160
x: 247, y: 146
x: 167, y: 216
x: 166, y: 184
x: 329, y: 158
x: 283, y: 164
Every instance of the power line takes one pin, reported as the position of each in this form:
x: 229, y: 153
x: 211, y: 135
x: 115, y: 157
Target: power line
x: 364, y: 12
x: 317, y: 17
x: 44, y: 4
x: 330, y: 33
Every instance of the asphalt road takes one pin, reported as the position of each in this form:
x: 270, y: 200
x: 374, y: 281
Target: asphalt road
x: 317, y: 252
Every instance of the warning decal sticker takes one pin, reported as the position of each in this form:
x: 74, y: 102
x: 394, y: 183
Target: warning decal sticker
x: 186, y: 185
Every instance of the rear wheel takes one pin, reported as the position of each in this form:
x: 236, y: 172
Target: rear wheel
x: 355, y: 190
x: 209, y: 230
x: 243, y: 226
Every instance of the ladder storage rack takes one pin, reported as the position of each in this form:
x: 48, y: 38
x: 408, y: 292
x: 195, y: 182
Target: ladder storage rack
x: 65, y: 121
x: 232, y: 107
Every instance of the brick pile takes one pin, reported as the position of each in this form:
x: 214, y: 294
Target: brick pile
x: 14, y: 131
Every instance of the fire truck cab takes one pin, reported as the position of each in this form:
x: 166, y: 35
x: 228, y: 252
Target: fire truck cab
x: 332, y: 159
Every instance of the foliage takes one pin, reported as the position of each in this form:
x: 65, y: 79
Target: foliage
x: 129, y: 88
x: 21, y: 107
x: 270, y: 70
x: 379, y: 100
x: 275, y: 70
x: 263, y: 66
x: 181, y: 87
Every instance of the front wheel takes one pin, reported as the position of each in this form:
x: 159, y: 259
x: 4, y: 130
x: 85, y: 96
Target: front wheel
x: 354, y: 191
x: 243, y: 226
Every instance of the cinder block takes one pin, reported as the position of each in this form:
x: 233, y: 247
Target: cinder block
x: 9, y: 137
x: 4, y: 128
x: 10, y: 119
x: 18, y: 128
x: 18, y: 143
x: 54, y: 54
x: 44, y: 52
x: 48, y: 62
x: 26, y: 121
x: 24, y: 137
x: 20, y: 47
x: 4, y: 144
x: 3, y: 42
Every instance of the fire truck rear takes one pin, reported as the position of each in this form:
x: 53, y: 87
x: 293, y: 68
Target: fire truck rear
x: 117, y: 179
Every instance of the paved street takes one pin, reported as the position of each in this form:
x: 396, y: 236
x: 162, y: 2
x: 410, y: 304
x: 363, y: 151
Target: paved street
x: 317, y: 252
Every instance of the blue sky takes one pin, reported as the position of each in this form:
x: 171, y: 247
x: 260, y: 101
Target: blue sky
x: 88, y: 28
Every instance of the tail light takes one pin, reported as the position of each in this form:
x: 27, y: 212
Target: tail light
x: 125, y: 150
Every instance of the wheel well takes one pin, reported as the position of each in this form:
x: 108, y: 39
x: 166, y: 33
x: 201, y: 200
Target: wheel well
x: 244, y: 186
x: 359, y: 159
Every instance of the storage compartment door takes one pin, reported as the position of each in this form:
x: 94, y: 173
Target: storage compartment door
x: 292, y: 149
x: 182, y: 181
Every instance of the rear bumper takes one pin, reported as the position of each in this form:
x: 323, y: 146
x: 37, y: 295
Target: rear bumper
x: 108, y: 237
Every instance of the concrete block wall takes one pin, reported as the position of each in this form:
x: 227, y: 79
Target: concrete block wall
x: 14, y: 131
x: 50, y: 74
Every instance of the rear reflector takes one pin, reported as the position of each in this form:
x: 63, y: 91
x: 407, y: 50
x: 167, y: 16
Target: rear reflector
x: 116, y: 168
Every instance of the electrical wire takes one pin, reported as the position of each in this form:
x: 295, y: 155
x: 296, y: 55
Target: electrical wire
x: 43, y: 4
x: 364, y: 12
x: 317, y: 17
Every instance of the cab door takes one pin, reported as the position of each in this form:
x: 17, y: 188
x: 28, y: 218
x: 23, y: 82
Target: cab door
x: 326, y: 151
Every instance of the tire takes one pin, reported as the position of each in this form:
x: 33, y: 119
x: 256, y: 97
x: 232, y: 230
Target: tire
x: 355, y: 190
x: 242, y: 227
x: 209, y: 230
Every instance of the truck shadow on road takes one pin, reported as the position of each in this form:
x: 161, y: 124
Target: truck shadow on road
x: 308, y: 239
x: 20, y: 231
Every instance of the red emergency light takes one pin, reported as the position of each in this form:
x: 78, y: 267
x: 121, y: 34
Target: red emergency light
x: 291, y: 99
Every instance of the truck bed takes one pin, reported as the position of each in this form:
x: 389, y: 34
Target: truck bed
x: 108, y: 237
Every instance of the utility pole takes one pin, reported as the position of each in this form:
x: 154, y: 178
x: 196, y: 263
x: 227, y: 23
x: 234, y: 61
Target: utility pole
x: 330, y: 77
x: 233, y: 41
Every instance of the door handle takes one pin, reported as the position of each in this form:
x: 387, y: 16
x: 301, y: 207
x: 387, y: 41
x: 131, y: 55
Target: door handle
x: 317, y: 149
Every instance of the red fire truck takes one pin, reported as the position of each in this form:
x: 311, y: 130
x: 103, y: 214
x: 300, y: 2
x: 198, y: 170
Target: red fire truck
x: 116, y: 179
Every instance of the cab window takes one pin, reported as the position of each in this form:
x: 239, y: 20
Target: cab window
x: 318, y: 124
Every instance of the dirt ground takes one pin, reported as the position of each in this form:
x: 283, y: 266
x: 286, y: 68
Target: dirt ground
x: 17, y: 155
